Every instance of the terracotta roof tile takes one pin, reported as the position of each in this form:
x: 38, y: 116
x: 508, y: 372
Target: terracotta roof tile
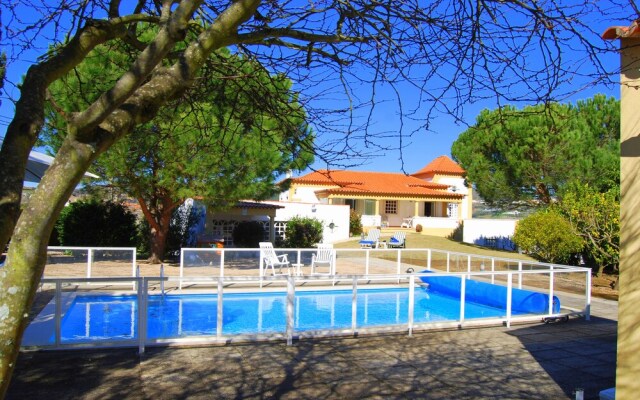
x: 379, y: 183
x: 441, y: 165
x: 617, y: 32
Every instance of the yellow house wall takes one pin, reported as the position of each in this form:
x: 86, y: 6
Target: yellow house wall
x: 628, y: 363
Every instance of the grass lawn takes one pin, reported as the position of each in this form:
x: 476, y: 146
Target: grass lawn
x: 419, y: 241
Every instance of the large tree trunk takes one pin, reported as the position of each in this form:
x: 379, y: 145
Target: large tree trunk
x: 27, y: 253
x: 157, y: 211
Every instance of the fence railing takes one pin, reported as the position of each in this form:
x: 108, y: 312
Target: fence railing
x: 49, y: 324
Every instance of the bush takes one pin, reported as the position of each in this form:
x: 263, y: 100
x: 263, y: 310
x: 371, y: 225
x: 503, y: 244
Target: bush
x: 457, y: 234
x: 248, y: 234
x: 418, y: 228
x: 303, y: 232
x: 99, y: 224
x: 547, y: 236
x: 355, y: 223
x: 187, y: 222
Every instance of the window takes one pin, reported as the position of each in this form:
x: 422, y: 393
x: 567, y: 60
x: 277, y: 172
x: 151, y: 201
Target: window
x: 391, y: 207
x: 351, y: 203
x: 369, y: 207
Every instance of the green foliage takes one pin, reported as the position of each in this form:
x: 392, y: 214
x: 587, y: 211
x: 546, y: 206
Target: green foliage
x: 223, y: 140
x: 457, y: 233
x: 96, y: 224
x: 355, y: 223
x: 248, y: 234
x: 303, y: 232
x: 596, y: 219
x: 548, y: 236
x: 532, y: 154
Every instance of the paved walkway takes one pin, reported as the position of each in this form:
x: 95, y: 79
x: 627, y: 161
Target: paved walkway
x: 535, y: 361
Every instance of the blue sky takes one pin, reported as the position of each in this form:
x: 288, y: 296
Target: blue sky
x: 419, y: 148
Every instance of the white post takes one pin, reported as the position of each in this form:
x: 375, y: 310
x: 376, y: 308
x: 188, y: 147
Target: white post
x: 398, y: 264
x: 354, y: 305
x: 89, y: 262
x: 291, y: 293
x: 463, y: 285
x: 58, y: 315
x: 519, y: 274
x: 142, y: 314
x: 412, y: 283
x: 261, y: 267
x: 162, y: 279
x: 551, y: 290
x: 220, y: 315
x: 366, y: 262
x: 493, y: 269
x: 222, y: 263
x: 181, y: 268
x: 469, y: 266
x: 134, y: 263
x: 587, y: 306
x: 448, y: 256
x: 509, y: 298
x: 429, y: 260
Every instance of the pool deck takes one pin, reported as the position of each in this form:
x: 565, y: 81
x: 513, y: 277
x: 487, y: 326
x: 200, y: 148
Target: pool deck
x: 533, y: 361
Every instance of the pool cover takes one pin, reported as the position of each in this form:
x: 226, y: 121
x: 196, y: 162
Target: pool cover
x: 522, y: 301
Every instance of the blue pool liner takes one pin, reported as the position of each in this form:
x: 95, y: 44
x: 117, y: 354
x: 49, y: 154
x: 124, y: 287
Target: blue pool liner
x: 522, y: 301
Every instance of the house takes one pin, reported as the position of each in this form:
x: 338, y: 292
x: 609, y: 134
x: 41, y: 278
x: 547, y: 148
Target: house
x: 435, y: 197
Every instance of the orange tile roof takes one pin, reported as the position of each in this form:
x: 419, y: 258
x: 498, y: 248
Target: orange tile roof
x: 378, y: 183
x: 617, y: 32
x: 441, y: 165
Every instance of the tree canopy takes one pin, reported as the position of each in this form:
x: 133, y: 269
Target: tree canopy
x: 513, y: 155
x: 340, y: 52
x: 200, y: 144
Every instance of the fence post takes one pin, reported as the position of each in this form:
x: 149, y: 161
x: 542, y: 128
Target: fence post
x: 519, y: 274
x: 222, y: 263
x: 587, y: 308
x: 89, y: 262
x: 551, y: 290
x: 58, y: 315
x: 412, y: 282
x: 162, y: 279
x: 509, y: 297
x: 398, y: 263
x: 493, y: 269
x: 134, y: 263
x: 354, y: 305
x: 463, y: 286
x: 469, y: 266
x: 366, y: 262
x: 220, y: 320
x: 181, y: 268
x: 142, y: 314
x: 291, y: 293
x: 448, y: 257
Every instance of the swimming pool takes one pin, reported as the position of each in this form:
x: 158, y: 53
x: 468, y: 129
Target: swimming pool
x: 94, y: 318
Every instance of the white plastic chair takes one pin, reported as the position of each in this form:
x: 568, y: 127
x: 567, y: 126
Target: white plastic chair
x: 398, y: 240
x: 371, y: 241
x: 270, y: 259
x: 325, y: 256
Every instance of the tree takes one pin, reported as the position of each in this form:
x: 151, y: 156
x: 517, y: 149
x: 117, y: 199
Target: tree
x: 199, y: 145
x: 446, y: 50
x: 547, y: 236
x: 516, y: 155
x: 595, y: 217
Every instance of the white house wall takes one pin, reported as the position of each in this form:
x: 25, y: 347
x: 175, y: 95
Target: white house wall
x: 475, y: 229
x: 326, y: 213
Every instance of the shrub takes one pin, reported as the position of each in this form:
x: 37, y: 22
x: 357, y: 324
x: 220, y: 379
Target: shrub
x: 248, y: 234
x: 547, y: 236
x: 355, y: 223
x: 303, y: 232
x: 457, y: 234
x: 92, y: 223
x: 187, y: 222
x: 418, y: 228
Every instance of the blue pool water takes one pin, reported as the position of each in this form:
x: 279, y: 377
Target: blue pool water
x: 92, y: 318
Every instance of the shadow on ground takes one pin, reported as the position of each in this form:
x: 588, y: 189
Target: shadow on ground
x: 525, y: 362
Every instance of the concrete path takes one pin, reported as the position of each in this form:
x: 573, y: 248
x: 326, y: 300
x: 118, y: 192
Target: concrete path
x: 534, y: 361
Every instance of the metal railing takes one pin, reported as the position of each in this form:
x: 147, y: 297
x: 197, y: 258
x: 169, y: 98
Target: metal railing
x: 140, y: 318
